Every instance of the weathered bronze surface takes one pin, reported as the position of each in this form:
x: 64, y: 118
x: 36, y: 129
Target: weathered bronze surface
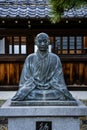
x: 42, y: 76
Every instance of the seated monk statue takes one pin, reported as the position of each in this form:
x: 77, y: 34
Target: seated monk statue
x: 42, y: 76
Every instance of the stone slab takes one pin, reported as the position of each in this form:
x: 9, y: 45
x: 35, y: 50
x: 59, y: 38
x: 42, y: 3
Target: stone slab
x: 44, y: 103
x: 16, y: 111
x: 38, y: 117
x: 58, y: 123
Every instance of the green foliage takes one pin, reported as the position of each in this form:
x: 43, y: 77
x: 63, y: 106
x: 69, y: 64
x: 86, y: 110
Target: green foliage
x: 59, y: 6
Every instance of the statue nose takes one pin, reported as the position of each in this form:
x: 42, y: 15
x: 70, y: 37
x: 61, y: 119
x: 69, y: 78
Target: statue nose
x: 42, y: 43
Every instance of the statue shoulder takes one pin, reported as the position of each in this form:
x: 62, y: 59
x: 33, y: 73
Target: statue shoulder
x: 55, y: 60
x: 30, y: 56
x: 54, y: 56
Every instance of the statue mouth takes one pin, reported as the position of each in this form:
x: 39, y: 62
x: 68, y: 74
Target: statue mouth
x: 43, y: 48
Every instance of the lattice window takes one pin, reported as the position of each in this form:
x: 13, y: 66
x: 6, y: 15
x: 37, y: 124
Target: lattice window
x: 17, y: 45
x: 70, y: 45
x: 13, y: 45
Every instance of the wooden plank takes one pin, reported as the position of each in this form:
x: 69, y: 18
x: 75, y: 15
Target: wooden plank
x: 2, y: 73
x: 71, y: 73
x: 68, y: 46
x: 85, y: 74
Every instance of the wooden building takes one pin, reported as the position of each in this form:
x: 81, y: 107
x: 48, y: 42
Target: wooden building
x: 22, y: 20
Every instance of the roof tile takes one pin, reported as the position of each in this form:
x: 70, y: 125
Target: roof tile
x: 34, y: 9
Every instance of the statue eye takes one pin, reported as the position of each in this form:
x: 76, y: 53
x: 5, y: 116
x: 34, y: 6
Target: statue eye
x: 39, y: 41
x: 45, y: 41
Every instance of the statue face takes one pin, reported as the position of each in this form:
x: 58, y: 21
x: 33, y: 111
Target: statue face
x: 42, y: 42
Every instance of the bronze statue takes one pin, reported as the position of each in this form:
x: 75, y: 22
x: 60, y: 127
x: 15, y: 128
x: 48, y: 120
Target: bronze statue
x: 42, y: 76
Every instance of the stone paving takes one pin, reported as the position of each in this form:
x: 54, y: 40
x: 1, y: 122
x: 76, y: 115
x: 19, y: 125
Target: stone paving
x: 4, y: 121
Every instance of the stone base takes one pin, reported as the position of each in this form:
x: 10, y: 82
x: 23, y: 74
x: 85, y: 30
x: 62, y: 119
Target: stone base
x: 44, y: 123
x: 44, y: 103
x: 43, y: 117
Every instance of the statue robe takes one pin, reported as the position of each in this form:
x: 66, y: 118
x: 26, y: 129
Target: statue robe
x: 42, y: 79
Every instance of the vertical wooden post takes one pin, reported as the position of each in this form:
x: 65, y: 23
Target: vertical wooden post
x: 68, y: 46
x: 12, y: 44
x: 30, y: 44
x: 19, y: 44
x: 61, y: 47
x: 75, y: 44
x: 6, y: 46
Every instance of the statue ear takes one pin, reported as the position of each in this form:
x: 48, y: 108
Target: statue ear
x: 49, y: 41
x: 36, y: 42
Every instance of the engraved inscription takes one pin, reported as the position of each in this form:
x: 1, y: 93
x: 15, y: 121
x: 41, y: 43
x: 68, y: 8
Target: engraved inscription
x: 43, y: 125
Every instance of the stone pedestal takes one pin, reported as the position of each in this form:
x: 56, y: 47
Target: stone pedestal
x: 43, y: 117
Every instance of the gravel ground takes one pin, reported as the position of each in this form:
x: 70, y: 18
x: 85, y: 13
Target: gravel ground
x: 4, y: 121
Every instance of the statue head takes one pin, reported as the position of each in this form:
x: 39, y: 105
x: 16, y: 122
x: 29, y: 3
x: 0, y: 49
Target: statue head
x: 42, y: 41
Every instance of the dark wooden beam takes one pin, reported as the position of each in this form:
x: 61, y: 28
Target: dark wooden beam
x: 64, y: 58
x: 70, y: 88
x: 12, y: 58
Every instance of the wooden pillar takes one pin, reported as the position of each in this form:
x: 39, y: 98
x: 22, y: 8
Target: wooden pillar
x: 30, y: 44
x: 6, y: 46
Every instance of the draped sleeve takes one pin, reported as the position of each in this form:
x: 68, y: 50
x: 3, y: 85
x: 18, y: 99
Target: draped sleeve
x: 26, y: 84
x: 26, y: 78
x: 58, y: 81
